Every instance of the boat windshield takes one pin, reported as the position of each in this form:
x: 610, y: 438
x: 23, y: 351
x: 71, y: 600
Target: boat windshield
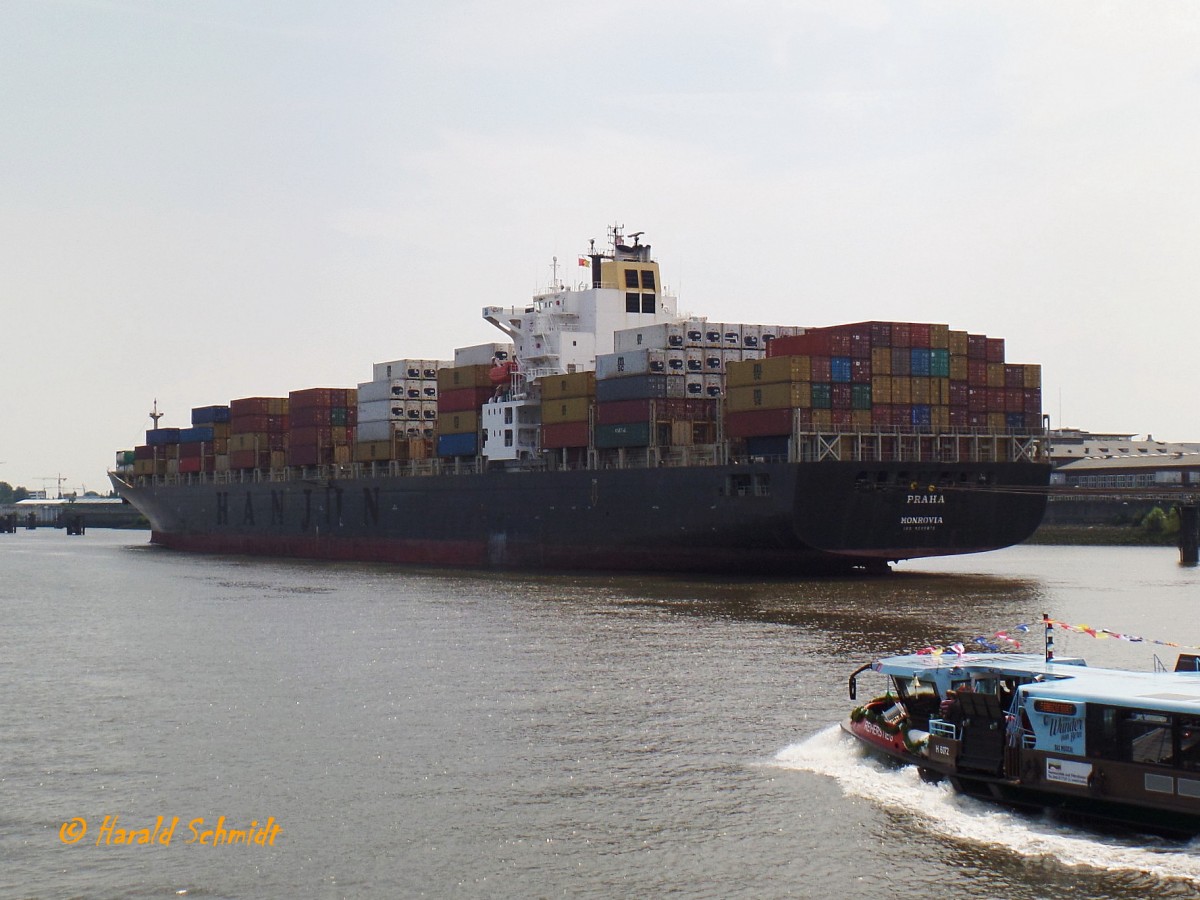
x: 915, y: 689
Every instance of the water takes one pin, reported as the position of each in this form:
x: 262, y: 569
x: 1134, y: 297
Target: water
x: 433, y: 734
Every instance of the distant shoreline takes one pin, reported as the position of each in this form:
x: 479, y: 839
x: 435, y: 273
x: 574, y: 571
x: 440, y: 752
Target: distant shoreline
x: 1101, y: 536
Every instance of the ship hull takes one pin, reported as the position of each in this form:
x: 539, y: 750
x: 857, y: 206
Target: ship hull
x: 768, y: 518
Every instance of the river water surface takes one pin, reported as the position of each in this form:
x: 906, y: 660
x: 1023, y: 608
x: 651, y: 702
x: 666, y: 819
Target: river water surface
x: 418, y: 733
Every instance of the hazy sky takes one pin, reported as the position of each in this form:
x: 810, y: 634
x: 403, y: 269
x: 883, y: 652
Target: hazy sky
x: 217, y: 199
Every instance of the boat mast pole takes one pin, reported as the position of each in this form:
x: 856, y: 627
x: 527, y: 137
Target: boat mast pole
x: 1049, y: 637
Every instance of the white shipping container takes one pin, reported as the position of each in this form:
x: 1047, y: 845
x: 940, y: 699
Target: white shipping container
x: 398, y: 368
x: 375, y: 410
x: 632, y: 362
x: 714, y: 361
x: 714, y: 334
x: 379, y: 390
x: 663, y: 336
x: 732, y: 334
x: 676, y: 362
x: 411, y: 389
x: 481, y: 355
x: 693, y: 332
x: 374, y: 431
x: 429, y: 410
x: 694, y: 360
x: 714, y: 385
x: 752, y: 336
x: 694, y: 385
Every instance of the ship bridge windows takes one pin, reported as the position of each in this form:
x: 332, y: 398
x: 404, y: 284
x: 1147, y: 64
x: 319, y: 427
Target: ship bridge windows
x: 643, y: 303
x: 754, y: 484
x: 647, y: 279
x: 631, y: 278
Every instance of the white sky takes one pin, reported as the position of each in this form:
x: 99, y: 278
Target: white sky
x: 220, y: 199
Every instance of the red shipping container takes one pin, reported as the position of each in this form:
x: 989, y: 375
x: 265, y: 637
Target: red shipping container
x: 977, y: 372
x: 995, y: 350
x: 821, y: 369
x: 842, y: 417
x: 463, y: 399
x: 901, y: 335
x: 249, y: 459
x: 977, y: 399
x: 977, y: 419
x: 860, y: 370
x: 144, y: 451
x: 881, y: 414
x: 564, y: 434
x: 919, y: 334
x: 958, y: 393
x: 313, y: 397
x: 958, y: 417
x: 250, y: 423
x: 995, y: 400
x: 1014, y: 400
x: 759, y: 423
x: 842, y: 396
x: 1032, y: 401
x: 1014, y: 376
x: 860, y: 341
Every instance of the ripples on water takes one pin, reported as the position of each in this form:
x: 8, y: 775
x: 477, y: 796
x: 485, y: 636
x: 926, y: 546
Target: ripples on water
x: 423, y: 733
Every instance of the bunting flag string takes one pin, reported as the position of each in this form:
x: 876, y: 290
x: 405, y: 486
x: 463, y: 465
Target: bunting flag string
x: 1003, y: 640
x: 1104, y: 633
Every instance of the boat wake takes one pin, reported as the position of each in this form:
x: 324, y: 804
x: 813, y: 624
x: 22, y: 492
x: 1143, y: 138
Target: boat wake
x: 836, y: 755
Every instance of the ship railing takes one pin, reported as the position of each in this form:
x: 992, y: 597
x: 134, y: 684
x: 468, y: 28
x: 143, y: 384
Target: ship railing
x: 942, y: 728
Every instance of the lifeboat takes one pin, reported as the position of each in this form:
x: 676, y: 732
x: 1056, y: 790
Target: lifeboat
x: 501, y: 372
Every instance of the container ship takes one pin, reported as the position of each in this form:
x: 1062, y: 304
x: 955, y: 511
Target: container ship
x: 605, y: 431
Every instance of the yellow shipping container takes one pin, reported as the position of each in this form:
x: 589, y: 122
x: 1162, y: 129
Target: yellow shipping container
x: 769, y: 396
x: 995, y: 375
x: 250, y: 440
x: 996, y: 422
x: 920, y: 389
x: 1033, y: 376
x: 939, y: 418
x: 466, y: 422
x: 279, y: 458
x: 959, y: 368
x: 939, y: 337
x: 681, y: 434
x: 342, y: 454
x: 464, y: 376
x: 902, y: 389
x: 221, y: 462
x: 822, y: 418
x: 575, y: 384
x: 958, y: 344
x: 881, y: 360
x: 860, y: 417
x: 372, y: 451
x: 881, y: 386
x: 939, y: 391
x: 776, y: 370
x: 567, y: 409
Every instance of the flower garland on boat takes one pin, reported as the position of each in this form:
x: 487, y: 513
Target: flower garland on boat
x: 998, y: 642
x: 1103, y: 633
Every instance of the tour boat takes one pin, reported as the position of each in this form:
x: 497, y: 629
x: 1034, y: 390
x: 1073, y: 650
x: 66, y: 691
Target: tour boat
x: 1112, y: 746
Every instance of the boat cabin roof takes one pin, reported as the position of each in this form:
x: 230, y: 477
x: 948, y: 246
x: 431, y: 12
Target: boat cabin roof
x: 1062, y: 678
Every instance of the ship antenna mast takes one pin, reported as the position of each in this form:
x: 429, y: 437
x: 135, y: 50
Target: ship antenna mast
x: 155, y: 414
x: 554, y: 273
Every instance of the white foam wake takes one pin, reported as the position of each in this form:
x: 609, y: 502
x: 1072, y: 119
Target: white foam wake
x: 837, y: 755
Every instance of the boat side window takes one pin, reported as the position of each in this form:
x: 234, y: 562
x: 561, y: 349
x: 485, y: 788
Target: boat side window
x: 1137, y: 736
x: 1189, y: 743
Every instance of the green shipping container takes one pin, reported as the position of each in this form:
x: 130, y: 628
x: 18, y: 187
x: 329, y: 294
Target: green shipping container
x: 634, y: 434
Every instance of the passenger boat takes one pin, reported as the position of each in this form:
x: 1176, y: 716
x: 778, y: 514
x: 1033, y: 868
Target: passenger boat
x: 1111, y: 746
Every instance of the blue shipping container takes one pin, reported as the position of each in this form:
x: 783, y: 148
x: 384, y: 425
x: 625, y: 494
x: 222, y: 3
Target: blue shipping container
x: 210, y: 415
x: 921, y: 416
x: 457, y: 444
x: 839, y: 369
x: 920, y: 361
x: 159, y: 436
x: 195, y: 435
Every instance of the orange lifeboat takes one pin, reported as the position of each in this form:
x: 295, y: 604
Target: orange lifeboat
x: 501, y: 372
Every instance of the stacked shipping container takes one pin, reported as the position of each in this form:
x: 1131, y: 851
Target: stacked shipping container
x: 566, y: 409
x: 321, y: 426
x: 901, y: 375
x: 462, y: 390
